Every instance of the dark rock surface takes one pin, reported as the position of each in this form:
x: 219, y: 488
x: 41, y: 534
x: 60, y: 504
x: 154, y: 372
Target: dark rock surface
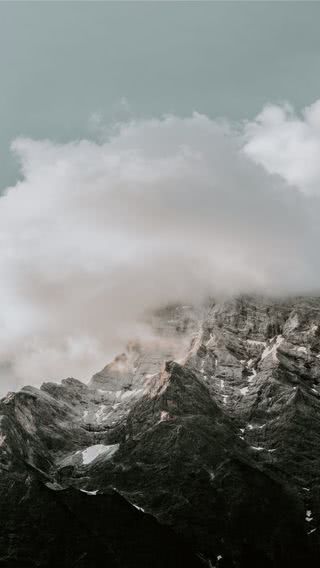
x: 213, y: 431
x: 43, y: 527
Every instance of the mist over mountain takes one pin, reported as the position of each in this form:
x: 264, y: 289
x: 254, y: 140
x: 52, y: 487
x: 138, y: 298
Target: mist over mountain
x: 159, y: 284
x: 95, y: 236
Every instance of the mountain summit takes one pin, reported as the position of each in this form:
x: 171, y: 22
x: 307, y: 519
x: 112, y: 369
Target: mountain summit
x: 201, y: 448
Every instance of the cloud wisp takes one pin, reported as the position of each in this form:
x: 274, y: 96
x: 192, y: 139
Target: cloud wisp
x: 165, y: 210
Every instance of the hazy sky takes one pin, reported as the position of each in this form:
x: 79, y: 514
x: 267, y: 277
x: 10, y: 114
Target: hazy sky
x: 129, y: 192
x: 63, y: 62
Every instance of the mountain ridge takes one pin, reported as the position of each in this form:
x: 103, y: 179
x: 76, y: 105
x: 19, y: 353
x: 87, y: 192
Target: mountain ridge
x: 221, y: 445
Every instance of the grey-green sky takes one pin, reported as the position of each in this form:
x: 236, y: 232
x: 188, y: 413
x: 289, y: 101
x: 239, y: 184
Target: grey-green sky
x: 62, y: 62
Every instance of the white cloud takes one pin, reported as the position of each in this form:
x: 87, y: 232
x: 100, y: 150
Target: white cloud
x: 94, y: 235
x: 287, y: 144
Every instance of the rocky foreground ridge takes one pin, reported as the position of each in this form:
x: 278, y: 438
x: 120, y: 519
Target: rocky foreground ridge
x: 208, y: 459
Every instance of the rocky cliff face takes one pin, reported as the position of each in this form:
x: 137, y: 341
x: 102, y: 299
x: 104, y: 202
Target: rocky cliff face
x: 201, y: 448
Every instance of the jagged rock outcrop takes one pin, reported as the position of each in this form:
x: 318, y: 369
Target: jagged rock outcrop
x: 212, y: 429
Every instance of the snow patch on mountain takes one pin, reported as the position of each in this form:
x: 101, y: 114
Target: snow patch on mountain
x: 92, y: 452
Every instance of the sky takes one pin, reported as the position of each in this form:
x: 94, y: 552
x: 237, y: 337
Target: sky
x: 64, y: 64
x: 150, y: 153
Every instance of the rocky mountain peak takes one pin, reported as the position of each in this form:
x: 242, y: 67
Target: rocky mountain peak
x: 211, y: 430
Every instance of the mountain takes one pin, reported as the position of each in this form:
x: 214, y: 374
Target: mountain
x: 199, y: 448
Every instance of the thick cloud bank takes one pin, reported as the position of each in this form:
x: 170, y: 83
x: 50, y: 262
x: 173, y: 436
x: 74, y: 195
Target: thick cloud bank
x: 95, y: 235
